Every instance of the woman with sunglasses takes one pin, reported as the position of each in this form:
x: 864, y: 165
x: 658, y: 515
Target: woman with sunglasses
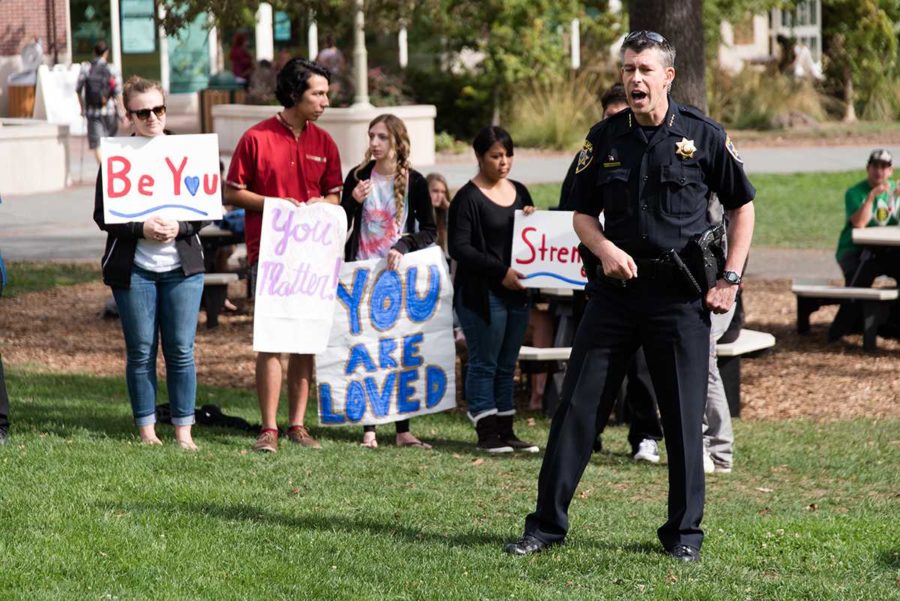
x: 155, y: 270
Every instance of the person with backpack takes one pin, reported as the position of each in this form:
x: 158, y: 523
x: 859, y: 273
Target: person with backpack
x: 99, y: 91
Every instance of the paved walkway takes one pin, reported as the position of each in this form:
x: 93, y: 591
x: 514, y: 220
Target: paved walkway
x: 59, y: 226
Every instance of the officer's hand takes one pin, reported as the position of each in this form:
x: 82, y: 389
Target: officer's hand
x: 616, y: 262
x: 720, y: 298
x: 511, y: 280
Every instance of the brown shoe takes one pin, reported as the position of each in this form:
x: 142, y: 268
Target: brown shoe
x: 266, y: 442
x: 300, y: 435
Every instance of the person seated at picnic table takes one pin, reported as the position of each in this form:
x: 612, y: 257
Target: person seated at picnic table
x: 872, y: 202
x: 390, y: 214
x: 489, y: 298
x: 155, y: 270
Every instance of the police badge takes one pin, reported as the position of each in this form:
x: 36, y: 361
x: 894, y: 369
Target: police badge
x: 585, y: 156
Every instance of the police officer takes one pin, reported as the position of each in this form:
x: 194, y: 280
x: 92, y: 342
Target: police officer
x: 651, y: 170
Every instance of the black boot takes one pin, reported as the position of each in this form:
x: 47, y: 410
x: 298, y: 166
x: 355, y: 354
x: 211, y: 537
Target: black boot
x: 488, y: 440
x: 505, y: 430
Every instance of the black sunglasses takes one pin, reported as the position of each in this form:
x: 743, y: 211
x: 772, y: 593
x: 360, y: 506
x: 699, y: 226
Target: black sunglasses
x: 644, y: 34
x: 144, y: 114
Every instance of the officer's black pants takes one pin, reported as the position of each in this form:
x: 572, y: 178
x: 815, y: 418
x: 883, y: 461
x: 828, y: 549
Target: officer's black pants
x: 674, y: 331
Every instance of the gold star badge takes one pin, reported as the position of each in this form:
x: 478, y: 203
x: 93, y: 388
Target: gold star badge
x: 685, y: 148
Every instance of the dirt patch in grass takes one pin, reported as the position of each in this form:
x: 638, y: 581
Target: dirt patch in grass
x: 60, y: 330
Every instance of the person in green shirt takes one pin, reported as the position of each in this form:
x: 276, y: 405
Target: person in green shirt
x: 870, y: 203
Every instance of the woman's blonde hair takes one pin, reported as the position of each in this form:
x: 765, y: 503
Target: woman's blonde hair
x: 440, y: 214
x: 400, y: 148
x: 138, y: 85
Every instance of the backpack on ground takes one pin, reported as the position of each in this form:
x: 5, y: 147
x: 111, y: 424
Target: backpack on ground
x: 98, y: 86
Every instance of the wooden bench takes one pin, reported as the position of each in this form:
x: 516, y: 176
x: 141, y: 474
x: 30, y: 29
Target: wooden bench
x: 215, y: 291
x: 815, y: 294
x: 749, y: 343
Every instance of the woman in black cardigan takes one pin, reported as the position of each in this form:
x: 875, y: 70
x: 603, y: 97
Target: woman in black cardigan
x: 490, y: 301
x: 155, y: 270
x: 390, y: 214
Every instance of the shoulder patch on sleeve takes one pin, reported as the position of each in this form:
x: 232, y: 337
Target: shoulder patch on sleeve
x: 729, y: 146
x: 585, y: 156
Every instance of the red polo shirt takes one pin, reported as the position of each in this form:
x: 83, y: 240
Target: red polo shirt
x: 270, y: 161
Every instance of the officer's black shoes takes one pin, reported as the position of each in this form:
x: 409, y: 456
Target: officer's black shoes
x: 488, y: 435
x: 507, y: 436
x: 529, y: 545
x: 598, y: 444
x: 684, y: 553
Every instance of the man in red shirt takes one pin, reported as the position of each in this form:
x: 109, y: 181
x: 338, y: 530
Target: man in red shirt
x: 286, y: 156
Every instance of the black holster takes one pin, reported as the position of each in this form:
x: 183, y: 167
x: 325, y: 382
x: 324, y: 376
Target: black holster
x: 704, y: 255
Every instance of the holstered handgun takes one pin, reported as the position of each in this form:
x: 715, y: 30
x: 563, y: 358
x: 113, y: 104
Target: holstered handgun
x: 705, y: 256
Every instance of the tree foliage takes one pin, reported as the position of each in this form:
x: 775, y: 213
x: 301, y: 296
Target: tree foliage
x: 861, y: 46
x: 384, y: 15
x: 521, y: 40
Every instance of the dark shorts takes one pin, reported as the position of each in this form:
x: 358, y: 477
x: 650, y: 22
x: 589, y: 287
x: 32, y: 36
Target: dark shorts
x: 101, y: 126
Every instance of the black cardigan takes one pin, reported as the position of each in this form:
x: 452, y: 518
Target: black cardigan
x: 476, y: 271
x: 122, y: 238
x: 420, y: 210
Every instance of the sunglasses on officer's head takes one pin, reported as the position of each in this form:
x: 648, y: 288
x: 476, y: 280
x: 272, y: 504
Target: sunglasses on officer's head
x: 144, y: 114
x: 644, y: 34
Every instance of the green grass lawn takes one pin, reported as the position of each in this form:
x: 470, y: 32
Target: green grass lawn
x: 27, y: 276
x: 803, y: 210
x: 87, y: 513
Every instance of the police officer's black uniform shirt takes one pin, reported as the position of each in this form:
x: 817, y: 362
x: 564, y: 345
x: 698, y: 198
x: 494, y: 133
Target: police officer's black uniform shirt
x: 654, y: 192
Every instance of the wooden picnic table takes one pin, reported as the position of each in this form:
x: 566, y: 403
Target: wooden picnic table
x: 888, y: 235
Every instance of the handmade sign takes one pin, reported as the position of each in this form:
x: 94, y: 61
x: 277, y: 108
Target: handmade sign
x: 176, y: 177
x: 391, y: 355
x: 300, y: 256
x: 545, y: 249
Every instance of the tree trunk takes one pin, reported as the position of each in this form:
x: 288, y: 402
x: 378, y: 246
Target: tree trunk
x: 849, y: 97
x: 682, y: 24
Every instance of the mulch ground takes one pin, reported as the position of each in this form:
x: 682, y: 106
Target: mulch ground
x: 61, y: 331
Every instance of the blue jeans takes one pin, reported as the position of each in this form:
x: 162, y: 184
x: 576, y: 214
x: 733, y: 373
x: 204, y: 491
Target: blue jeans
x: 493, y: 352
x: 162, y: 305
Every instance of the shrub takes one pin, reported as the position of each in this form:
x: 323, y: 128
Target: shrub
x: 755, y: 99
x: 559, y: 114
x: 463, y: 100
x: 445, y: 142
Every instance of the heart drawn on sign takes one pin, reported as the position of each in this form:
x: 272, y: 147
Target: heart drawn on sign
x: 193, y: 184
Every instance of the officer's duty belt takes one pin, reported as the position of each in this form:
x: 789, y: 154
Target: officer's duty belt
x: 660, y: 270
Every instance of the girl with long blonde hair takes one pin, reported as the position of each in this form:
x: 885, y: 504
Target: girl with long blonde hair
x: 390, y: 214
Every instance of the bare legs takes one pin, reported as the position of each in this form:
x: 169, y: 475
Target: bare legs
x: 268, y: 387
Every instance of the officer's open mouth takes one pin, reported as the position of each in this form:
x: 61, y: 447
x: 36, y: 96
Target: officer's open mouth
x: 638, y: 95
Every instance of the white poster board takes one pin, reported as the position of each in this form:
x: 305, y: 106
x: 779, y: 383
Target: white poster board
x: 391, y: 355
x: 56, y: 100
x: 176, y: 177
x: 545, y: 249
x: 300, y: 257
